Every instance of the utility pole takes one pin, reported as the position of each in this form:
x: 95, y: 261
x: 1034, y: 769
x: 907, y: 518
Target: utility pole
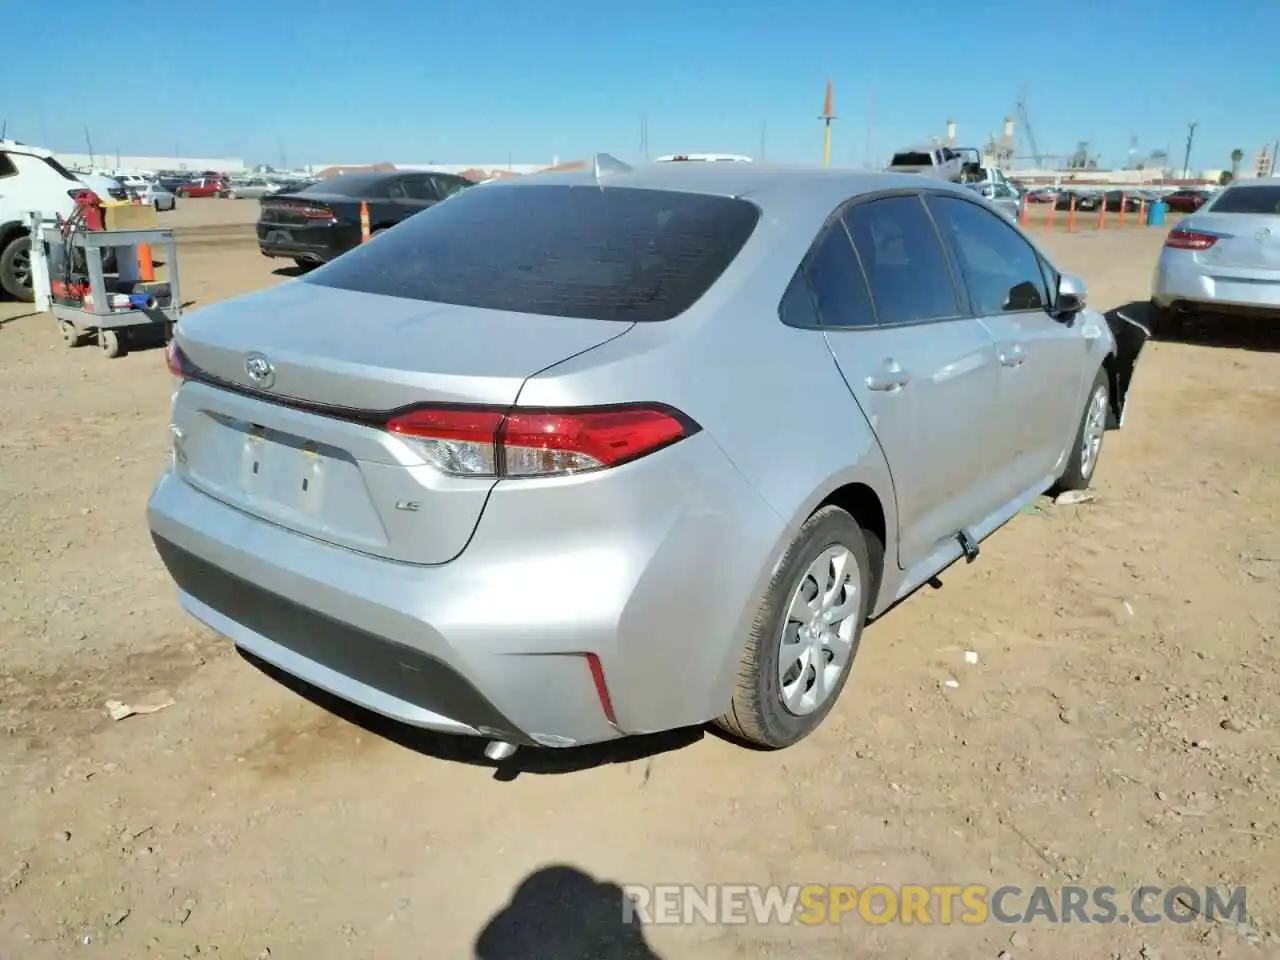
x: 644, y: 135
x: 1186, y: 157
x: 827, y: 116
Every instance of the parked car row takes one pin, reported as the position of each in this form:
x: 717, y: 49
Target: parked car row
x: 316, y: 222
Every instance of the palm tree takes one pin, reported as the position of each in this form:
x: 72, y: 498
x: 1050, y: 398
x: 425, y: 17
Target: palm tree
x: 1236, y: 156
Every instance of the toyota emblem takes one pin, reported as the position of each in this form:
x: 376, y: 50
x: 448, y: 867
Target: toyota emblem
x: 260, y: 370
x: 1262, y: 235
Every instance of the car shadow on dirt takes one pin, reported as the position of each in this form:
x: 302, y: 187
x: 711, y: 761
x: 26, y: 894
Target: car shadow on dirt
x: 294, y: 270
x: 1213, y: 330
x: 465, y: 749
x: 561, y: 913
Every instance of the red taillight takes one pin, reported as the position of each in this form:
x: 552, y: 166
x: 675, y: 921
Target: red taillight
x: 1180, y: 239
x: 483, y: 441
x: 175, y: 361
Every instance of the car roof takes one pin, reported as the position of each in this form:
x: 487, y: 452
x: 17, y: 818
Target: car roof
x: 14, y: 146
x: 775, y: 188
x: 1251, y: 182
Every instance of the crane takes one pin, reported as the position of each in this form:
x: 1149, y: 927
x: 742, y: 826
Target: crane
x: 1024, y: 120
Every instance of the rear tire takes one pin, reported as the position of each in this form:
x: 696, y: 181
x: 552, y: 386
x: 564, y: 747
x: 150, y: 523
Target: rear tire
x: 773, y: 707
x: 1167, y: 324
x: 15, y: 269
x: 1087, y: 447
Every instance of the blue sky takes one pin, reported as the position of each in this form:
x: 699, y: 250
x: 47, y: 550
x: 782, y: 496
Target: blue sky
x: 481, y: 81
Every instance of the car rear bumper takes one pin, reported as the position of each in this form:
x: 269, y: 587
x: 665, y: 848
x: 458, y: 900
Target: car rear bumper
x: 650, y: 569
x: 1181, y: 283
x: 317, y: 245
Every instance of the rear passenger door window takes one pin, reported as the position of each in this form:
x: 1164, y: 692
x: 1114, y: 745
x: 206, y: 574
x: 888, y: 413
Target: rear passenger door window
x: 1002, y: 272
x: 903, y: 257
x: 837, y: 281
x: 420, y: 188
x: 448, y: 186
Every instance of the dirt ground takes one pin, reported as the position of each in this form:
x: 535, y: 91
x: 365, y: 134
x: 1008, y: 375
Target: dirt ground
x: 1120, y: 725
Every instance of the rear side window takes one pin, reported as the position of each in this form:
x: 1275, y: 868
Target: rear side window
x: 7, y: 169
x: 612, y: 253
x: 904, y: 261
x: 419, y: 188
x: 448, y: 186
x: 1248, y: 199
x: 912, y: 160
x: 797, y: 309
x: 1001, y: 270
x: 839, y: 287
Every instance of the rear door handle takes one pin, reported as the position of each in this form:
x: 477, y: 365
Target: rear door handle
x: 1013, y: 355
x: 892, y: 377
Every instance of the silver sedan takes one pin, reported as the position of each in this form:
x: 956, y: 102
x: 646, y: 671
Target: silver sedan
x: 1224, y: 259
x: 609, y: 461
x: 158, y: 197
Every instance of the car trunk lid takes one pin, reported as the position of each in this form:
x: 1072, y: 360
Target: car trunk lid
x: 1244, y: 240
x: 303, y: 446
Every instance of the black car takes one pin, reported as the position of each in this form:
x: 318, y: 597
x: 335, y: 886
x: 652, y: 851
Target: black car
x: 319, y: 222
x: 1085, y: 202
x: 1117, y: 197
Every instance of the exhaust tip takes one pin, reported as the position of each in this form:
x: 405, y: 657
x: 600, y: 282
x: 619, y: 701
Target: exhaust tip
x: 499, y: 749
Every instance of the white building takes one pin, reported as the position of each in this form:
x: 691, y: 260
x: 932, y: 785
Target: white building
x: 113, y: 161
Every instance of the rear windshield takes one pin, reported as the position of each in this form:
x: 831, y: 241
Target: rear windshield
x: 1248, y: 199
x: 612, y: 253
x: 351, y: 185
x: 912, y: 160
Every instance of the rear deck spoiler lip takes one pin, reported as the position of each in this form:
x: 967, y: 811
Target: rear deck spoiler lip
x: 1130, y: 336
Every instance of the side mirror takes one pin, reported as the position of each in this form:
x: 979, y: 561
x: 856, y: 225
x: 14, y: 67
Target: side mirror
x: 989, y: 192
x: 1072, y: 296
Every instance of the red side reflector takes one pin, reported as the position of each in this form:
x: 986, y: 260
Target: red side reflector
x: 174, y: 360
x: 602, y: 688
x: 1179, y: 239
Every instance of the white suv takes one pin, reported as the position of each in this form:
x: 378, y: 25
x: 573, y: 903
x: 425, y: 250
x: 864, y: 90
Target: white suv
x: 30, y: 179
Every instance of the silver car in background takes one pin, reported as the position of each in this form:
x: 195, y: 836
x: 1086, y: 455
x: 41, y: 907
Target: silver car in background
x: 249, y: 188
x: 159, y: 197
x: 1224, y: 259
x: 615, y: 451
x: 1001, y: 196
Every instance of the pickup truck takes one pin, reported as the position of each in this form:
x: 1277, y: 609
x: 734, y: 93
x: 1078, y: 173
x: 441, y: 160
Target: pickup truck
x: 932, y: 160
x: 958, y: 164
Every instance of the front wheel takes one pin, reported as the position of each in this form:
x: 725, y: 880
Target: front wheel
x: 806, y: 632
x: 1083, y: 460
x: 112, y: 343
x: 15, y: 269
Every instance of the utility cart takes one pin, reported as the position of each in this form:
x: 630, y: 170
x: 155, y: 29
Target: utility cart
x: 119, y: 310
